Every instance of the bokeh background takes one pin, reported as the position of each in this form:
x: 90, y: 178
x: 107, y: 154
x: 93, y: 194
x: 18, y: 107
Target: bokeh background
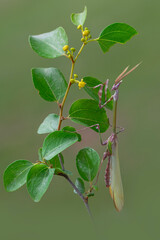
x: 61, y: 214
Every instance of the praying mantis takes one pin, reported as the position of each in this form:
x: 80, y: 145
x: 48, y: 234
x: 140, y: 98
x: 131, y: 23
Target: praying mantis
x: 112, y: 173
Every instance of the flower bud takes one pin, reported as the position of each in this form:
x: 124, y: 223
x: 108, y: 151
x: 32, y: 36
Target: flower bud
x: 79, y: 27
x: 75, y: 75
x: 65, y: 48
x: 82, y: 40
x: 86, y: 33
x: 72, y: 80
x: 73, y: 49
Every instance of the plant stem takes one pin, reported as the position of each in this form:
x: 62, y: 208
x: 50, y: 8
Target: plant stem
x: 92, y: 40
x: 85, y: 200
x: 80, y: 50
x: 65, y: 96
x: 78, y: 192
x: 69, y: 85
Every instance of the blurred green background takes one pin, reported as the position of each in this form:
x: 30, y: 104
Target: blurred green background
x: 61, y: 214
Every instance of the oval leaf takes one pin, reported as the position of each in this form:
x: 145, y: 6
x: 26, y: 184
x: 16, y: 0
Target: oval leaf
x: 72, y: 129
x: 87, y: 162
x: 115, y: 33
x: 50, y: 124
x: 49, y: 45
x: 93, y: 92
x: 15, y: 175
x: 88, y: 113
x: 40, y: 155
x: 80, y: 185
x: 38, y: 180
x: 50, y: 83
x: 56, y: 142
x: 79, y: 18
x: 55, y: 163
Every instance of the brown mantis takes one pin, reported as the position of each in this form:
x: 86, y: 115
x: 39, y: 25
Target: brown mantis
x: 112, y: 173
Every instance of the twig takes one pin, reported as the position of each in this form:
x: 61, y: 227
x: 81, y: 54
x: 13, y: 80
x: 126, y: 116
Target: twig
x: 78, y: 192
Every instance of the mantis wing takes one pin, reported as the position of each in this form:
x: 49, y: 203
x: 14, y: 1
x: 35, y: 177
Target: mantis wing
x: 116, y: 187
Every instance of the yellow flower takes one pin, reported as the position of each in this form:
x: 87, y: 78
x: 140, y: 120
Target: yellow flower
x: 81, y: 84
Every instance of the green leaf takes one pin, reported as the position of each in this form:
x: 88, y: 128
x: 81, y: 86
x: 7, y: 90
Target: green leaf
x: 59, y: 171
x: 93, y: 92
x: 38, y: 180
x: 115, y: 33
x: 80, y: 185
x: 72, y: 129
x: 50, y: 124
x: 79, y: 18
x: 40, y: 154
x: 67, y: 172
x: 90, y: 194
x: 56, y: 142
x: 15, y: 175
x: 49, y: 45
x: 55, y: 163
x: 50, y: 83
x: 87, y: 162
x: 88, y: 113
